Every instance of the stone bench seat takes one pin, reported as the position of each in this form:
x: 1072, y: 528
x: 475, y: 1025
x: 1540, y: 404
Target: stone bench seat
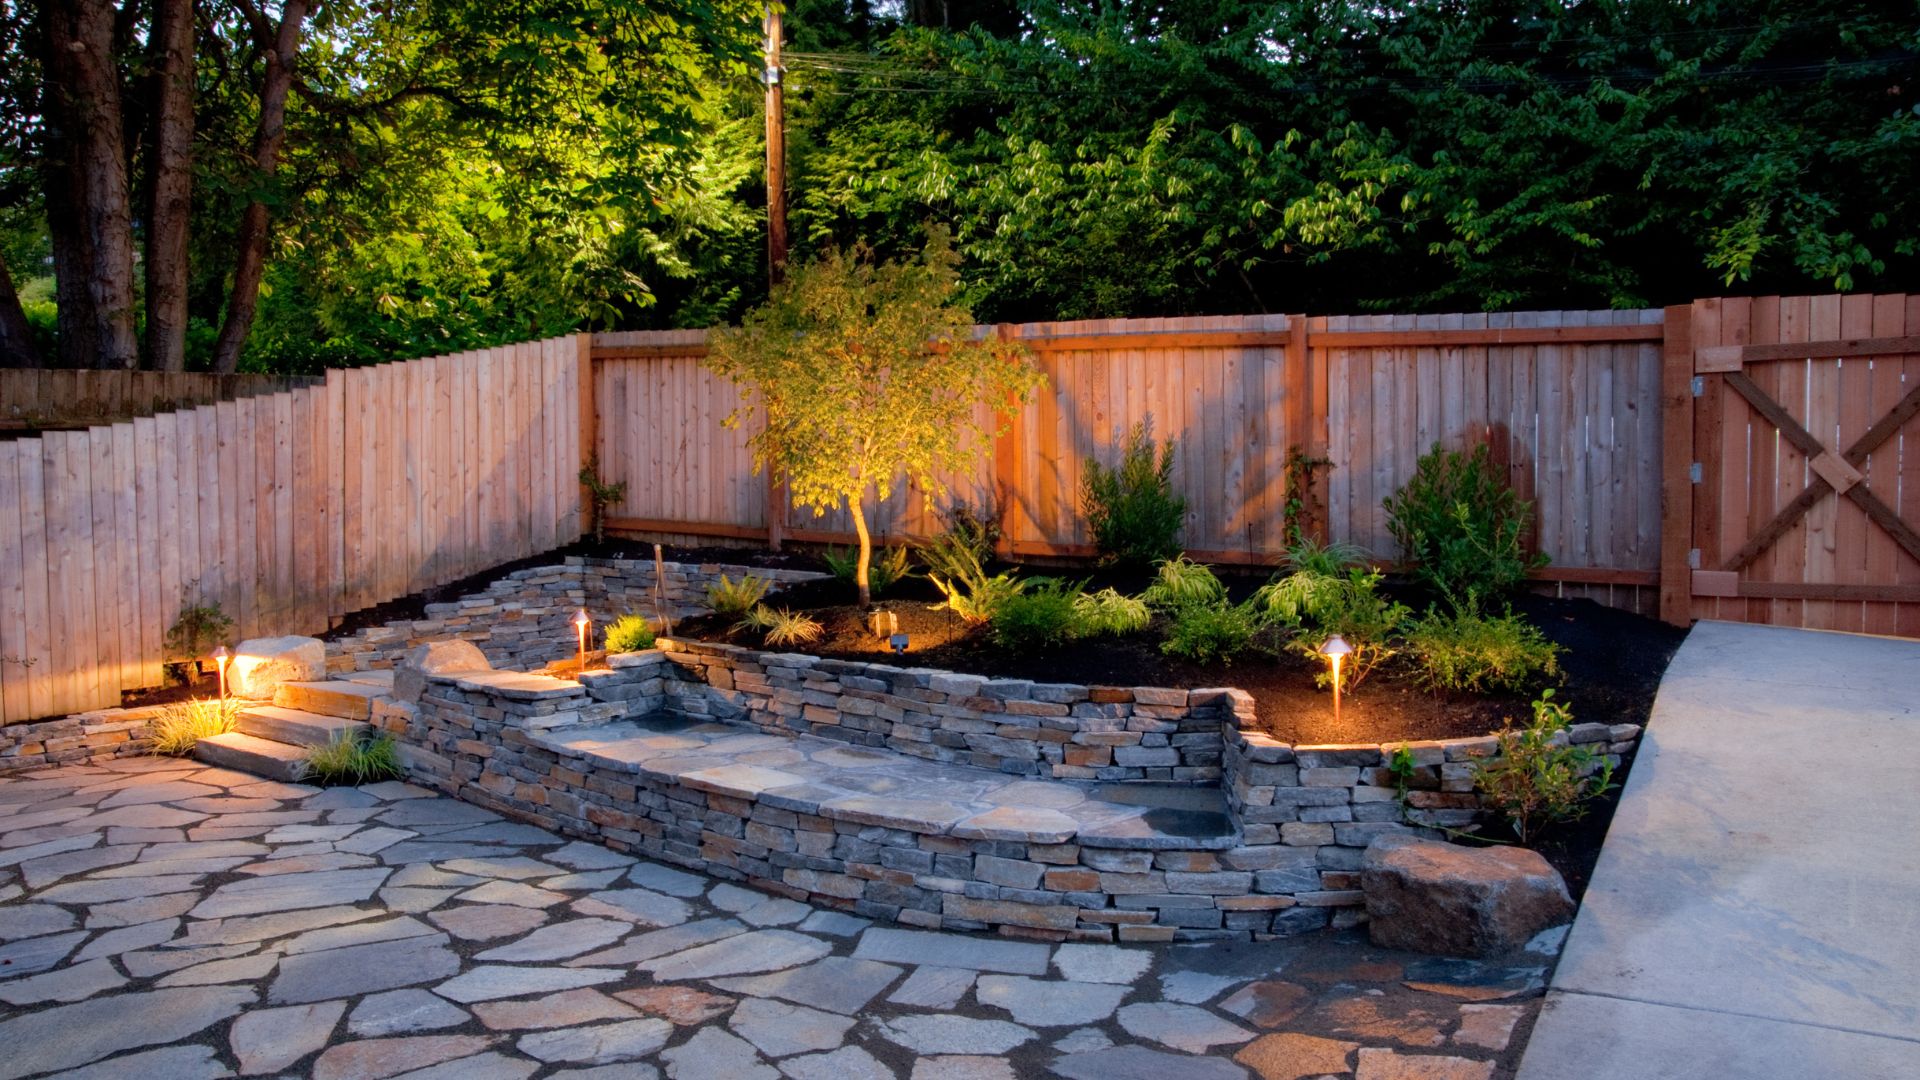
x: 875, y: 786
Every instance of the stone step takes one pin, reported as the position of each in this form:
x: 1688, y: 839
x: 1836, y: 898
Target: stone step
x: 382, y: 677
x: 349, y: 700
x: 249, y: 753
x: 296, y: 727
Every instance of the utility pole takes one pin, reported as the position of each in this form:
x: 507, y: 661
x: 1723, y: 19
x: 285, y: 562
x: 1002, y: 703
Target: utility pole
x: 776, y: 154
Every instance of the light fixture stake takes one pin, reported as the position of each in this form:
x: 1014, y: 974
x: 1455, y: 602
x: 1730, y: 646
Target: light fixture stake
x: 221, y: 657
x: 1336, y: 649
x: 581, y: 621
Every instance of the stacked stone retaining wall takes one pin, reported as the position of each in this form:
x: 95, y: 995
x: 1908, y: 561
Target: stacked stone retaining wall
x: 88, y: 736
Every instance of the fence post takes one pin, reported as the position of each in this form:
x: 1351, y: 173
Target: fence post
x: 589, y: 426
x: 1006, y: 461
x: 1676, y: 458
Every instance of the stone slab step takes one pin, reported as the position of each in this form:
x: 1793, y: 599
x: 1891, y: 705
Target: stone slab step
x: 382, y: 677
x: 296, y: 727
x: 251, y: 754
x: 337, y: 697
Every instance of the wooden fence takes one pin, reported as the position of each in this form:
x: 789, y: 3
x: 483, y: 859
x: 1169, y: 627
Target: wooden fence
x: 286, y: 509
x: 1567, y: 400
x: 33, y: 399
x: 1744, y: 459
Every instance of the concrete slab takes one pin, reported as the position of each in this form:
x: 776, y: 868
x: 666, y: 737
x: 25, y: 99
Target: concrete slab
x: 1756, y: 887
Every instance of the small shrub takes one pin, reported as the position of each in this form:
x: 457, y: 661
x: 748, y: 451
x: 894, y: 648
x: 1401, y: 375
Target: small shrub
x: 1536, y: 779
x: 1215, y: 631
x: 970, y: 592
x: 600, y: 496
x: 1109, y: 612
x: 781, y: 627
x: 198, y: 630
x: 1181, y: 583
x: 970, y: 538
x: 353, y: 761
x: 1463, y: 650
x: 629, y: 633
x: 1131, y: 509
x: 180, y: 726
x: 1461, y: 526
x: 1039, y: 617
x: 735, y: 598
x: 888, y: 568
x: 1325, y: 593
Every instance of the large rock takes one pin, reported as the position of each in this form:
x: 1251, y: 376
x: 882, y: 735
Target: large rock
x: 435, y: 658
x: 1433, y: 897
x: 260, y: 665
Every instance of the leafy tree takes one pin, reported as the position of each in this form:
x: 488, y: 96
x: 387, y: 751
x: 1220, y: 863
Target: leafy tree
x: 867, y: 372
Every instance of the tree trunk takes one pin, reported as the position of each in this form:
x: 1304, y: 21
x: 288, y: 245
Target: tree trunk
x: 866, y: 551
x: 17, y: 349
x: 87, y: 194
x: 170, y: 174
x: 250, y: 262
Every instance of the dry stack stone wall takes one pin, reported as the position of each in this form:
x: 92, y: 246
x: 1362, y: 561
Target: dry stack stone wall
x: 525, y: 619
x: 103, y: 733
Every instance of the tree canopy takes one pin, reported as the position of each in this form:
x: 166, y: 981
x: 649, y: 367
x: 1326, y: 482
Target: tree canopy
x: 454, y: 174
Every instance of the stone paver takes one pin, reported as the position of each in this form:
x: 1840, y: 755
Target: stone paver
x: 209, y: 924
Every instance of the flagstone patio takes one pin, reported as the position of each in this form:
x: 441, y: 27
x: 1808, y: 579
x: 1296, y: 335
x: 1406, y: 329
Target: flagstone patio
x: 160, y: 918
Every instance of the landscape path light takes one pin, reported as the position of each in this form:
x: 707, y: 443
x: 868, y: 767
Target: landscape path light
x: 1336, y: 649
x: 581, y: 620
x: 222, y: 657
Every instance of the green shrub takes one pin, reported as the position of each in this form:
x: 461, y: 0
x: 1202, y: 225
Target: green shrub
x: 1325, y: 593
x: 1039, y: 617
x: 735, y: 598
x: 353, y: 761
x: 1131, y: 509
x: 1536, y: 779
x: 1212, y: 631
x: 629, y: 633
x: 601, y: 496
x: 198, y: 630
x: 969, y: 538
x: 1462, y: 649
x: 1109, y: 612
x: 178, y: 727
x: 970, y: 592
x: 781, y: 627
x: 1182, y: 582
x: 889, y: 567
x: 1461, y: 526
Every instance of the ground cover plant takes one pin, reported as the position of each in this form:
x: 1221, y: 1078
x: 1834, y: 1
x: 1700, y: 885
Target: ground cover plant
x: 733, y: 599
x: 180, y: 725
x: 629, y: 633
x: 1462, y: 650
x: 349, y: 760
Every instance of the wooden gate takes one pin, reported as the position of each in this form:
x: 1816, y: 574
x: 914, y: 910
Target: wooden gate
x: 1791, y: 490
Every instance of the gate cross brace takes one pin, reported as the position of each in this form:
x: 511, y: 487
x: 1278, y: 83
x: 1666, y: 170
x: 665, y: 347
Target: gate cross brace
x: 1830, y: 473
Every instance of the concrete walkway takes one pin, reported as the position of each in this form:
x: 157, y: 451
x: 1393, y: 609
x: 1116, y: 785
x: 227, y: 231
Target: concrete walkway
x: 1756, y: 910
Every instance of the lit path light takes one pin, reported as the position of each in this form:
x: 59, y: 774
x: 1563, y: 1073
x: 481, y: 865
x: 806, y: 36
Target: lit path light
x: 1336, y: 649
x: 581, y: 620
x: 221, y: 658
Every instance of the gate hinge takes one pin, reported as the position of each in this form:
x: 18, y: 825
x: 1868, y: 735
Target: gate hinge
x: 1699, y: 386
x: 1695, y: 473
x: 1693, y: 558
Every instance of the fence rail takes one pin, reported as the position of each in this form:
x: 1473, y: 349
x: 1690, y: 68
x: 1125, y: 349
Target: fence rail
x: 33, y: 399
x: 1744, y: 458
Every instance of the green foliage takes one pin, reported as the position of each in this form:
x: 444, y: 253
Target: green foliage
x: 868, y: 373
x: 197, y: 631
x: 1037, y: 618
x: 1537, y: 779
x: 782, y: 627
x: 1324, y: 593
x: 733, y: 599
x: 1131, y: 509
x: 1108, y: 612
x: 1461, y: 525
x: 967, y: 541
x: 1296, y: 513
x: 1181, y: 582
x: 970, y: 591
x: 1461, y: 649
x: 1401, y: 767
x: 353, y: 761
x: 1212, y: 631
x: 178, y: 727
x: 889, y: 568
x: 600, y: 496
x: 631, y: 632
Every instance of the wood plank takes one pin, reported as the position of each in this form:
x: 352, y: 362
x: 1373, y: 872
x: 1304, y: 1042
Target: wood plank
x: 70, y: 541
x: 38, y: 589
x: 15, y: 630
x: 169, y: 543
x: 285, y: 599
x: 1845, y: 346
x: 1907, y: 571
x: 1763, y: 446
x: 130, y: 587
x: 1882, y: 468
x: 1823, y: 416
x: 1855, y: 389
x: 1788, y: 561
x: 1676, y: 487
x: 105, y: 658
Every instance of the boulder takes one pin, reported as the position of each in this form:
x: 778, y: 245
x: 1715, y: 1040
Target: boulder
x: 260, y: 665
x: 435, y: 658
x: 1434, y: 897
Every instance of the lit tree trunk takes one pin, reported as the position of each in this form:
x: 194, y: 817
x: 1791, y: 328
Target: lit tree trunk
x: 282, y: 46
x: 866, y: 550
x: 89, y: 215
x: 16, y: 339
x: 170, y: 174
